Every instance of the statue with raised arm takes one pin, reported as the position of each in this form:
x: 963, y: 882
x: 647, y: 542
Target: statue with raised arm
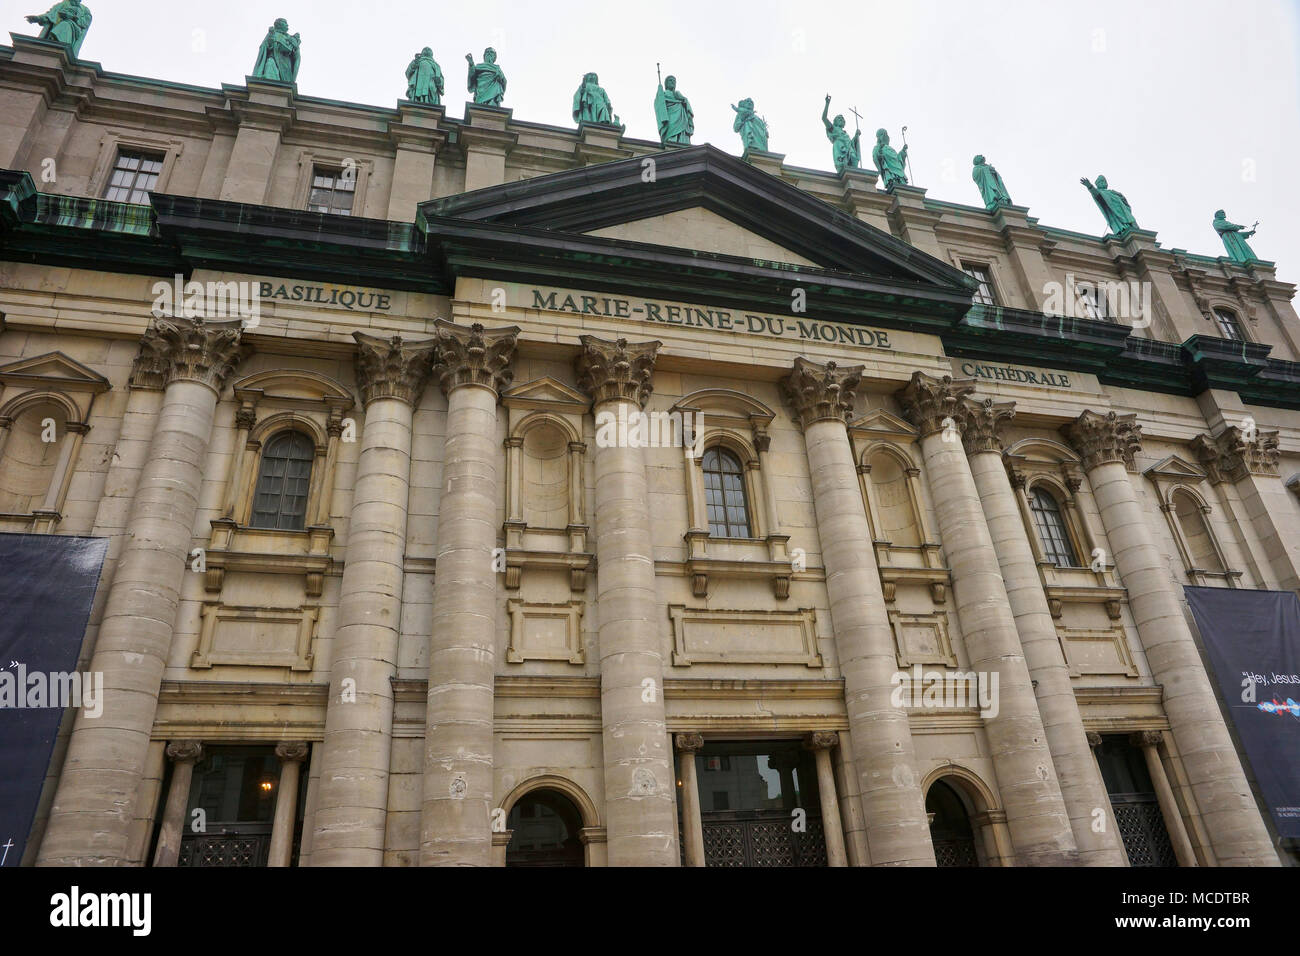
x: 486, y: 80
x: 751, y: 127
x: 846, y: 150
x: 1234, y: 238
x: 279, y: 56
x: 673, y: 114
x: 889, y: 163
x: 991, y: 186
x: 66, y: 22
x: 424, y: 79
x: 1113, y: 205
x: 591, y: 103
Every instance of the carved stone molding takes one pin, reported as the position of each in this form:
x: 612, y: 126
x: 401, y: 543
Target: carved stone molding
x: 185, y: 751
x: 690, y: 743
x: 1094, y: 739
x: 820, y: 393
x: 821, y: 740
x: 1100, y: 439
x: 392, y: 367
x: 1231, y: 457
x: 982, y: 422
x: 474, y: 356
x: 292, y: 751
x: 1146, y: 738
x: 929, y: 402
x: 187, y: 350
x: 610, y: 371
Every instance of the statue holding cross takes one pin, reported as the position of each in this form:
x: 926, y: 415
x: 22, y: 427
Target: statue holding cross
x: 846, y: 150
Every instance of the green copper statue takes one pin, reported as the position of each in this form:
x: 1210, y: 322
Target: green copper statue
x: 846, y: 151
x: 486, y: 81
x: 673, y: 114
x: 66, y: 23
x: 1113, y: 205
x: 1234, y: 238
x: 889, y: 163
x: 279, y: 56
x: 751, y: 127
x: 591, y: 103
x: 424, y: 79
x: 991, y: 186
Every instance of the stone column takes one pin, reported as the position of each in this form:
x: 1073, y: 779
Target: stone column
x: 1149, y: 741
x: 1106, y: 443
x: 286, y: 803
x: 692, y: 822
x: 91, y: 817
x: 892, y: 802
x: 821, y: 744
x: 352, y: 808
x: 1031, y: 795
x: 184, y: 754
x: 1081, y: 785
x: 473, y: 365
x: 638, y: 766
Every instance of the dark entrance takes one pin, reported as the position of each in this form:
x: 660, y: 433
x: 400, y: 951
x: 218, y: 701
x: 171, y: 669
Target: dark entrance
x: 749, y: 793
x: 545, y: 829
x: 951, y: 833
x: 1137, y: 810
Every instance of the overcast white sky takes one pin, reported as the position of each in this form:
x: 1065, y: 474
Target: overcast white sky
x: 1185, y: 106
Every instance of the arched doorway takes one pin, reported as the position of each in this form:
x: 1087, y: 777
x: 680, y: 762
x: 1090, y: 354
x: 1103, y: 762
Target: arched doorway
x: 544, y: 827
x: 950, y: 829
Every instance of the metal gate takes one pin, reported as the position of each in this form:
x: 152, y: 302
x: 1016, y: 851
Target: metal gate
x: 1142, y: 828
x: 762, y: 838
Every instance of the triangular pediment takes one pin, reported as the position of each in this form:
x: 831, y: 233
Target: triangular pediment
x: 53, y: 368
x: 879, y: 423
x: 707, y: 232
x: 1175, y: 468
x: 546, y: 392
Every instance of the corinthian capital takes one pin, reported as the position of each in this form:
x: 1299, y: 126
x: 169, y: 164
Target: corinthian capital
x: 187, y: 350
x: 474, y: 356
x: 820, y: 393
x: 982, y: 422
x: 933, y: 404
x: 391, y: 367
x: 1231, y: 456
x: 185, y: 751
x: 614, y: 370
x: 1100, y: 439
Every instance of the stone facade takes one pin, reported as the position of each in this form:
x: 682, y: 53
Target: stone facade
x: 487, y: 598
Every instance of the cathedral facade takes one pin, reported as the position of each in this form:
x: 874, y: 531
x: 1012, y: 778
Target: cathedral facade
x: 484, y: 492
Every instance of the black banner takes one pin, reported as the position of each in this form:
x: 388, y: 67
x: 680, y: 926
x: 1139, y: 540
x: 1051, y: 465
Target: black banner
x: 1253, y: 641
x: 47, y: 584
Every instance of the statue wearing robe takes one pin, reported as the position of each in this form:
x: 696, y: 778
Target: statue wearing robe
x: 279, y: 56
x: 889, y: 163
x: 673, y: 113
x: 424, y: 79
x: 751, y: 127
x: 1234, y: 238
x: 1113, y: 205
x: 991, y: 186
x: 66, y: 22
x: 846, y: 151
x: 486, y: 80
x: 591, y: 103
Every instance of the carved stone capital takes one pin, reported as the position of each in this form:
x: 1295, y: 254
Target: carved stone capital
x: 762, y: 439
x: 821, y: 740
x: 931, y: 404
x: 392, y: 368
x: 187, y: 350
x: 1231, y: 456
x: 474, y: 356
x: 185, y: 751
x: 1094, y: 739
x: 690, y: 743
x: 292, y: 751
x: 1146, y: 738
x: 610, y: 371
x: 821, y: 393
x: 981, y: 424
x: 1101, y: 439
x: 245, y: 419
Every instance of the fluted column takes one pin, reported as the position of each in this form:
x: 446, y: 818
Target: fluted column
x: 821, y: 743
x: 1082, y: 787
x: 473, y: 366
x: 291, y: 756
x: 352, y: 808
x: 898, y: 832
x: 1031, y: 794
x: 90, y: 819
x: 184, y: 754
x: 692, y: 820
x: 638, y: 765
x: 1106, y: 442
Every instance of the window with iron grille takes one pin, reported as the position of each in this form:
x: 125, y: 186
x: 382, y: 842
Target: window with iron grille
x: 724, y: 493
x: 135, y: 174
x: 332, y: 190
x: 282, y: 483
x: 1052, y: 532
x: 984, y: 296
x: 1228, y: 326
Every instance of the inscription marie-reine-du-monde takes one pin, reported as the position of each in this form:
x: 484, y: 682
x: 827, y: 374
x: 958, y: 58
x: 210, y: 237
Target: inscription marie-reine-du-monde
x: 718, y: 319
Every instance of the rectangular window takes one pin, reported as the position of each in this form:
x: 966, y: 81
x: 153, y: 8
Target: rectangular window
x: 135, y: 174
x: 1092, y: 303
x: 332, y: 190
x: 984, y: 296
x: 1228, y: 326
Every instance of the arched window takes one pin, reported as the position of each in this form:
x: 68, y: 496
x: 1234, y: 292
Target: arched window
x: 1052, y: 532
x: 1202, y: 552
x: 282, y: 483
x: 1228, y: 326
x: 724, y: 493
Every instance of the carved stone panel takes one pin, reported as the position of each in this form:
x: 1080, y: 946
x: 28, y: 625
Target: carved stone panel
x: 703, y: 636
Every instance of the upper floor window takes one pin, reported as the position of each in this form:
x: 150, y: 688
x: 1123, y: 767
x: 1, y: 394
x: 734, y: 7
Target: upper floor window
x: 1052, y: 532
x: 1092, y: 301
x: 1228, y: 327
x: 980, y: 273
x: 724, y: 493
x: 332, y: 190
x: 283, y: 482
x: 134, y: 175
